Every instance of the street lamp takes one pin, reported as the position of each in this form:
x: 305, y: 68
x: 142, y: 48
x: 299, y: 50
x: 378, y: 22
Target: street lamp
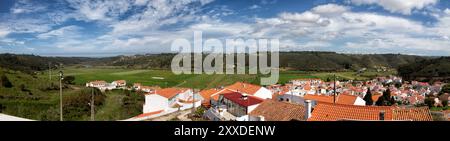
x: 61, y: 77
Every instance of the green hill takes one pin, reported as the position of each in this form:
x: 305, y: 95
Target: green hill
x: 427, y: 70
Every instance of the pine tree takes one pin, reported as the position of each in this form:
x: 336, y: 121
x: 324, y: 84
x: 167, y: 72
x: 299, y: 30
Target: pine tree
x: 368, y: 97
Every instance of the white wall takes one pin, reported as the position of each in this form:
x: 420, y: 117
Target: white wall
x: 359, y: 101
x: 154, y: 102
x: 263, y: 93
x: 251, y: 108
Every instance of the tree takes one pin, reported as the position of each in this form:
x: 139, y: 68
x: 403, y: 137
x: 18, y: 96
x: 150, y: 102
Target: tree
x: 5, y: 82
x: 23, y: 88
x: 429, y: 101
x: 444, y: 103
x: 445, y: 89
x: 69, y: 80
x: 368, y: 97
x: 386, y: 99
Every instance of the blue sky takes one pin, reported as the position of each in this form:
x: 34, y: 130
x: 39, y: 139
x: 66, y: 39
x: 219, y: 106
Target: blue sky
x: 104, y: 28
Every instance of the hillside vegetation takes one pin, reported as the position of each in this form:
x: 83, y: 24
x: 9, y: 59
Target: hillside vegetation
x: 427, y: 70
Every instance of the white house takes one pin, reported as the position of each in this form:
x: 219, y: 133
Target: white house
x: 171, y: 100
x: 119, y: 83
x: 100, y: 84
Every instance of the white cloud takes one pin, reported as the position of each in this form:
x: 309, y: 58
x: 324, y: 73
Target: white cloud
x: 4, y: 31
x: 447, y: 11
x: 63, y: 32
x: 27, y: 6
x: 398, y: 6
x: 159, y: 13
x: 140, y: 2
x: 330, y: 9
x: 254, y: 7
x: 99, y: 10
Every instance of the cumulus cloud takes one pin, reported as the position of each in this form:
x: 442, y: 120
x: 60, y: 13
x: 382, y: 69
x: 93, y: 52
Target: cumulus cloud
x: 4, y: 31
x: 99, y: 10
x: 63, y: 32
x: 254, y: 7
x: 398, y: 6
x: 330, y: 9
x: 27, y: 6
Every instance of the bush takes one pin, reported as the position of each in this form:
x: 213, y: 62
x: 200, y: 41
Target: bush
x: 445, y: 89
x: 23, y: 88
x: 5, y: 82
x: 444, y: 103
x: 69, y: 80
x: 429, y: 101
x: 76, y: 105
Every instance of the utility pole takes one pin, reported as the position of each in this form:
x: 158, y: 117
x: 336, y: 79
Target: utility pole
x: 334, y: 96
x: 49, y: 71
x: 193, y: 101
x: 60, y: 96
x: 92, y: 105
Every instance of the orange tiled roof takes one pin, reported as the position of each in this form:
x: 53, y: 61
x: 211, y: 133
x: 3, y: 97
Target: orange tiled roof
x: 170, y: 92
x: 375, y: 97
x: 121, y: 81
x: 215, y: 96
x: 206, y: 94
x: 273, y: 110
x: 346, y: 99
x: 335, y: 112
x: 319, y: 98
x: 244, y: 87
x: 414, y: 114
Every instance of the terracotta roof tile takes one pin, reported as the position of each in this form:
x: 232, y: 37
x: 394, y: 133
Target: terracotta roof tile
x: 413, y: 114
x: 319, y: 98
x: 244, y: 87
x: 170, y: 92
x: 215, y: 96
x: 346, y: 99
x: 206, y: 94
x: 335, y: 112
x: 273, y: 110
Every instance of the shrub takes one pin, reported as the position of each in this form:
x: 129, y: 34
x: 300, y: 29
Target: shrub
x: 5, y: 81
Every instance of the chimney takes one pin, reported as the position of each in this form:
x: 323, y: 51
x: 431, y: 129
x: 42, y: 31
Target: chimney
x: 308, y: 108
x: 244, y: 96
x: 381, y: 115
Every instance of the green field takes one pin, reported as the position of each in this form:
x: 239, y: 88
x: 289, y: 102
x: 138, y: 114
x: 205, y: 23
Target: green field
x: 165, y: 78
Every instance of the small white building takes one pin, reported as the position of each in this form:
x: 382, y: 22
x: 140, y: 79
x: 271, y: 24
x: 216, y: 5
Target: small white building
x: 171, y: 100
x: 119, y: 83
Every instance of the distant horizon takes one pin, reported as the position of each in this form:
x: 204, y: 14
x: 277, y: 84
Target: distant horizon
x: 106, y: 55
